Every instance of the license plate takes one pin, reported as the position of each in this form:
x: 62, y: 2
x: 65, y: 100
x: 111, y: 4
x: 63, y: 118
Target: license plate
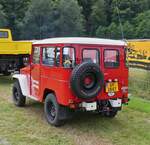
x: 89, y: 106
x: 115, y: 103
x: 112, y: 87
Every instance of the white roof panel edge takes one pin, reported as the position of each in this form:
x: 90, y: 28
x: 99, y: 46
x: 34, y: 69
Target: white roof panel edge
x: 81, y: 40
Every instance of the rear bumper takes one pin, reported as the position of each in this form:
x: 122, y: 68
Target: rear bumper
x: 93, y: 106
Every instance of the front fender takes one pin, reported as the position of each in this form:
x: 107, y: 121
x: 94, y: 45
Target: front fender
x: 23, y: 82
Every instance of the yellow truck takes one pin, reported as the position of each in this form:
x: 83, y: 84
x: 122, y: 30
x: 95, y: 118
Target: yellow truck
x: 13, y: 54
x: 139, y: 53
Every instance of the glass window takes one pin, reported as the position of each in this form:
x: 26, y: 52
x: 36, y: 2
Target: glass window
x: 36, y: 55
x: 111, y: 58
x: 68, y: 57
x: 49, y: 56
x: 91, y: 55
x: 3, y: 34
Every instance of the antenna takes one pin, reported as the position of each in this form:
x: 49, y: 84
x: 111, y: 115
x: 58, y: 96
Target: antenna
x: 121, y: 27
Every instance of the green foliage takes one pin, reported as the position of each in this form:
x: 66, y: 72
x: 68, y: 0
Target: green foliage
x: 128, y: 9
x: 86, y: 11
x: 38, y: 20
x: 29, y: 19
x: 128, y: 29
x: 48, y: 19
x: 3, y: 21
x: 98, y: 15
x: 68, y: 20
x: 142, y: 23
x: 14, y: 11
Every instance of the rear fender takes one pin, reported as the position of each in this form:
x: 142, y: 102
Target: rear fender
x: 23, y: 82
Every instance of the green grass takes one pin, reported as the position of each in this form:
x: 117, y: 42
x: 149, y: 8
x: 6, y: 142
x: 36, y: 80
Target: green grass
x: 23, y: 126
x: 139, y: 83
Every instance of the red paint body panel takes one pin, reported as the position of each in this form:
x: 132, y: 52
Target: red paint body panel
x: 57, y: 79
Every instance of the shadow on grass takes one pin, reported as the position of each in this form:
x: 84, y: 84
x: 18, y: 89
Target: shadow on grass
x: 5, y: 80
x: 80, y: 120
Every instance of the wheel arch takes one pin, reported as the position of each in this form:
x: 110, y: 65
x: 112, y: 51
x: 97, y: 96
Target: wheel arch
x: 23, y: 83
x: 46, y: 92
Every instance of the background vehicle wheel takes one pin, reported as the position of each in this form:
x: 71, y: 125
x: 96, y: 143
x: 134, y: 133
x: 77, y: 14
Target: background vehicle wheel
x: 6, y: 73
x: 111, y: 114
x: 53, y: 111
x: 18, y: 98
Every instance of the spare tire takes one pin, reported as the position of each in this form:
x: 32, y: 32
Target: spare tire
x: 86, y: 80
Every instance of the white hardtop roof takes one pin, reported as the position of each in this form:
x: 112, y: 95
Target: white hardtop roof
x: 81, y: 40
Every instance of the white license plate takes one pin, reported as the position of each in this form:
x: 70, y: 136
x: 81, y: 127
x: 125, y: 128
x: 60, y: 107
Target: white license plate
x: 116, y: 103
x: 89, y: 106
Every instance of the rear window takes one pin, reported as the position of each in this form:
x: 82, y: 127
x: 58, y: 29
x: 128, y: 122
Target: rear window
x: 3, y: 34
x: 111, y: 58
x: 91, y: 55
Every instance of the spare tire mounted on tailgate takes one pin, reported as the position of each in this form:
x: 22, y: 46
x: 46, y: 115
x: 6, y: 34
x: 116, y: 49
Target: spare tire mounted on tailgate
x: 87, y: 80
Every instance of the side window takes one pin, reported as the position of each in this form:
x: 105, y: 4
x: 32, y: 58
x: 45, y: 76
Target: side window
x: 111, y: 58
x: 49, y: 56
x: 68, y: 57
x: 36, y: 55
x: 91, y: 55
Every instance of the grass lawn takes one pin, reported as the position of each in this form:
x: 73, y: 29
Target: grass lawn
x: 139, y: 83
x: 27, y: 126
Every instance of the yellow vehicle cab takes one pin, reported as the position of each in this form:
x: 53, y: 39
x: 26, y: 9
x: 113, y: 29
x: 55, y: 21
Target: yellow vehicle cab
x: 12, y: 53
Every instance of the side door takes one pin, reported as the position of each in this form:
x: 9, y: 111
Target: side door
x: 35, y: 73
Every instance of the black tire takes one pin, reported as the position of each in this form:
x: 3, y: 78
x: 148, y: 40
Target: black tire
x: 6, y: 73
x: 111, y: 114
x: 53, y: 111
x: 80, y: 73
x: 18, y: 98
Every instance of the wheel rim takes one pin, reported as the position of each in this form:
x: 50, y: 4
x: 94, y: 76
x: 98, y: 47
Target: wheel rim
x: 89, y: 81
x: 51, y: 111
x: 16, y: 94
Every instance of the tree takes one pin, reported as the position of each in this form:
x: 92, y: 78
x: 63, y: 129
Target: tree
x: 14, y: 11
x: 52, y: 18
x: 128, y: 9
x: 68, y: 20
x: 38, y: 20
x: 114, y: 31
x: 98, y: 15
x: 142, y: 24
x: 86, y: 11
x: 129, y: 30
x: 3, y: 21
x: 108, y: 11
x: 102, y: 32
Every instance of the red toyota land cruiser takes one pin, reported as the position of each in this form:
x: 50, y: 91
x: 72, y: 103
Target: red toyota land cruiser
x: 69, y: 74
